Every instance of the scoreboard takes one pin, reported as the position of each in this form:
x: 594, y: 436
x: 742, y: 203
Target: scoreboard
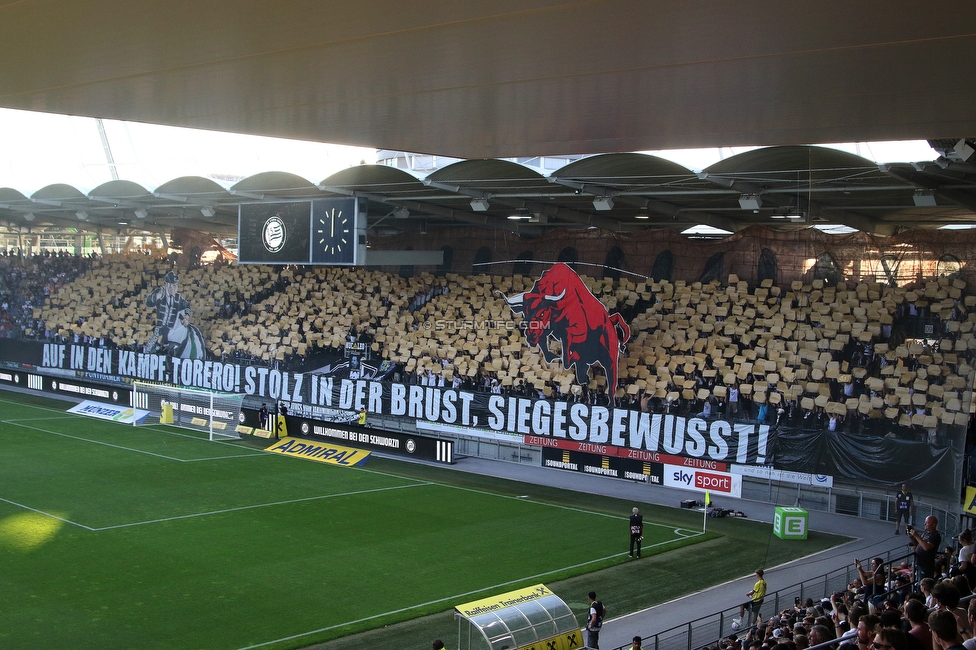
x: 324, y: 231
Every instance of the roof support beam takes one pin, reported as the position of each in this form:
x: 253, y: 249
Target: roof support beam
x: 456, y: 215
x: 965, y: 199
x: 673, y: 211
x: 563, y: 214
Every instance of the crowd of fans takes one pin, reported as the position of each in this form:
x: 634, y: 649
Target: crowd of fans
x: 27, y: 282
x: 846, y: 357
x: 892, y: 613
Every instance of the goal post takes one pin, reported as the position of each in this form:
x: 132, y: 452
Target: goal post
x: 216, y: 414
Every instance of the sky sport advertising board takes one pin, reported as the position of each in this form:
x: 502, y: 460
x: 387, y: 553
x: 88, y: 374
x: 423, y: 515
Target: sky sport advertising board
x: 681, y: 476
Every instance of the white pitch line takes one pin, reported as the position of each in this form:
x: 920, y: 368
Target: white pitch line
x: 18, y: 423
x: 527, y: 499
x: 47, y: 514
x: 256, y: 505
x: 31, y: 406
x: 454, y: 598
x: 95, y: 442
x: 232, y: 456
x: 155, y: 429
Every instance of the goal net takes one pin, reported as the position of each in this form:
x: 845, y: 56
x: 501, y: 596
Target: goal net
x: 216, y: 414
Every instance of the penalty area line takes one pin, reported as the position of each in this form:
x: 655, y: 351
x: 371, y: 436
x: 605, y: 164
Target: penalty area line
x: 18, y: 423
x: 95, y: 442
x: 47, y: 514
x: 256, y: 505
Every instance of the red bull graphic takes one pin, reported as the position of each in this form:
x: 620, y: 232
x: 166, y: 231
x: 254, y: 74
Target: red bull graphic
x: 560, y: 307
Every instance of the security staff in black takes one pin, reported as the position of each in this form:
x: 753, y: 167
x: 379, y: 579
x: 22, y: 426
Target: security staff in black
x: 636, y: 532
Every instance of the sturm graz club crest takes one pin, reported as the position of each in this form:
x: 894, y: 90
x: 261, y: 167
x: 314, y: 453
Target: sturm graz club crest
x: 274, y: 234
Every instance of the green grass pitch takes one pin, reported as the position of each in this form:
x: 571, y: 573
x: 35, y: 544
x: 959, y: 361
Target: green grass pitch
x: 113, y: 536
x: 118, y: 536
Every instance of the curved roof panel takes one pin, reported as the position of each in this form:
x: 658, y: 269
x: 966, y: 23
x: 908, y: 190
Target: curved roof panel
x: 190, y: 185
x: 120, y: 190
x: 277, y: 183
x: 58, y: 192
x: 374, y: 178
x: 10, y: 195
x: 778, y: 187
x: 622, y: 164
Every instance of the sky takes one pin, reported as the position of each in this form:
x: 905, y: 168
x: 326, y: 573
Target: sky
x: 41, y: 149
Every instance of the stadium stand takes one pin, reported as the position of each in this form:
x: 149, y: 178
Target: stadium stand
x: 849, y: 617
x: 840, y: 357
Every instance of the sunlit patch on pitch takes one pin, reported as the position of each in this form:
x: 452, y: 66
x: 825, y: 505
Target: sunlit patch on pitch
x: 28, y: 531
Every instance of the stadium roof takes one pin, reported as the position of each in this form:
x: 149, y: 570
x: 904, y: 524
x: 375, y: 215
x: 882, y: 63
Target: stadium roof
x: 479, y: 81
x: 504, y: 79
x: 780, y: 187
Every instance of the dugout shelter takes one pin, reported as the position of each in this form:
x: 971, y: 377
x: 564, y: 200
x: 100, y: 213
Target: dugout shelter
x: 529, y: 618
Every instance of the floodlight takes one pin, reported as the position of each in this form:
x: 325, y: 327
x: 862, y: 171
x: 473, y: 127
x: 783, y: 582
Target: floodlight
x: 82, y: 215
x: 924, y: 199
x: 750, y: 201
x: 141, y: 213
x: 603, y: 203
x: 208, y: 211
x: 963, y: 150
x: 479, y: 205
x: 28, y: 216
x: 401, y: 213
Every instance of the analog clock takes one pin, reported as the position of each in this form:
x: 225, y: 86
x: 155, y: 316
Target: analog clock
x: 333, y: 232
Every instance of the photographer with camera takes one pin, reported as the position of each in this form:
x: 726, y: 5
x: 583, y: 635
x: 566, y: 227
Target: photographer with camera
x: 925, y: 544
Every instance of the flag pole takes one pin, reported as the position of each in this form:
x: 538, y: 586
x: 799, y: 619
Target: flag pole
x: 705, y: 512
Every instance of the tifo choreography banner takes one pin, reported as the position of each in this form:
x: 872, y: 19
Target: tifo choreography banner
x: 91, y: 372
x: 714, y: 440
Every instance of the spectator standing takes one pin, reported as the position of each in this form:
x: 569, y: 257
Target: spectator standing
x: 437, y: 644
x: 636, y: 645
x: 263, y: 416
x: 904, y: 503
x: 362, y: 416
x: 966, y: 566
x: 756, y: 597
x: 636, y: 531
x: 925, y: 545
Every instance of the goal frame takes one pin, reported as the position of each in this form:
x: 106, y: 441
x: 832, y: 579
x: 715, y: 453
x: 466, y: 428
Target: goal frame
x: 144, y: 388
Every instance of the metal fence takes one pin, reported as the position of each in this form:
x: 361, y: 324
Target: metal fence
x: 709, y: 630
